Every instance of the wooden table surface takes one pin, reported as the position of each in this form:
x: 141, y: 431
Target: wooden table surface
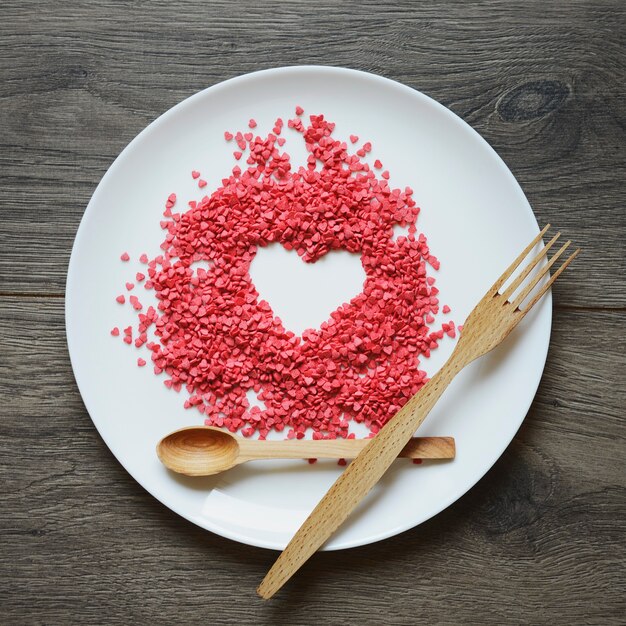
x: 539, y: 540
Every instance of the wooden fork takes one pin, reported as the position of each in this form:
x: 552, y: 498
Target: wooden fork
x: 493, y: 318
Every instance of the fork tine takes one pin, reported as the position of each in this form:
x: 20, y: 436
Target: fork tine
x: 518, y: 281
x: 535, y: 280
x: 507, y: 273
x: 547, y: 286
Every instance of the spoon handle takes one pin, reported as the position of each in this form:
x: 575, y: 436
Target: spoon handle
x: 416, y: 448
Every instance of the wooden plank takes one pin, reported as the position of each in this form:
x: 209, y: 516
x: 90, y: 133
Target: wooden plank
x: 539, y: 539
x: 80, y: 84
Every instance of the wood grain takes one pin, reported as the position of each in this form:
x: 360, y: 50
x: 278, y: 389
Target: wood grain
x: 539, y: 540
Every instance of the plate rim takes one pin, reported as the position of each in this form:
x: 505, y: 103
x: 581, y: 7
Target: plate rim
x: 239, y: 536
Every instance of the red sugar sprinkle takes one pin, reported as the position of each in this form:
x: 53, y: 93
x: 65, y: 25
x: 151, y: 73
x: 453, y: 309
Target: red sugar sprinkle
x: 252, y: 123
x: 237, y: 154
x: 195, y: 174
x: 141, y: 362
x: 125, y: 256
x: 134, y: 300
x: 216, y: 339
x: 121, y: 299
x: 299, y: 110
x: 377, y: 164
x: 417, y: 461
x: 143, y: 258
x: 228, y: 136
x: 201, y: 183
x: 139, y: 276
x: 130, y: 286
x: 445, y: 309
x: 115, y: 331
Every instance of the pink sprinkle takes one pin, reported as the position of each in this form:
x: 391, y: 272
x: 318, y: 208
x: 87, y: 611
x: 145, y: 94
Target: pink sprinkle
x: 115, y: 331
x: 237, y: 154
x: 385, y: 174
x: 215, y: 338
x: 130, y: 286
x: 252, y: 123
x: 445, y: 309
x: 299, y: 110
x: 202, y: 183
x: 143, y: 258
x: 125, y: 256
x: 354, y: 138
x: 134, y: 300
x: 195, y: 174
x: 121, y: 299
x: 228, y: 136
x: 140, y: 362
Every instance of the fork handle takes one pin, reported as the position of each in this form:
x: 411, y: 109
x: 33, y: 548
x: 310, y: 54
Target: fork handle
x: 358, y: 478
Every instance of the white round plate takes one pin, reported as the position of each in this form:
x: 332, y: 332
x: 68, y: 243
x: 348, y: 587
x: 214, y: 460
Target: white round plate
x: 476, y: 219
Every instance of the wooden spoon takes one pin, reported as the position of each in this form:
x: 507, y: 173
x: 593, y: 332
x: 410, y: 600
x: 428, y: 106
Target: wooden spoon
x: 204, y: 450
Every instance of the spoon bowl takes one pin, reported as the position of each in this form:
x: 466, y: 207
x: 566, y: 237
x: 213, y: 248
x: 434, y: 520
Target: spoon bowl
x: 199, y: 451
x: 205, y: 450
